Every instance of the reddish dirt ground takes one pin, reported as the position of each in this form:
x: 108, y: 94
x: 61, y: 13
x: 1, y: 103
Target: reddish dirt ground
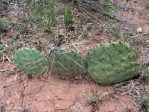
x: 53, y: 94
x: 50, y: 93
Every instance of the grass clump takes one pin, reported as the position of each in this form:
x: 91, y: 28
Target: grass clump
x: 43, y: 13
x: 20, y: 26
x: 108, y: 8
x: 68, y: 17
x: 51, y: 18
x: 3, y: 26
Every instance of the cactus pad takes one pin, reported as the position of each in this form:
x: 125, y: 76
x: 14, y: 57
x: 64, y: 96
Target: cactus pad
x: 66, y: 63
x: 112, y: 63
x: 30, y: 61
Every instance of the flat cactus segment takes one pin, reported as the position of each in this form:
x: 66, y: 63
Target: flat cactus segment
x: 30, y: 61
x: 112, y: 63
x: 69, y: 63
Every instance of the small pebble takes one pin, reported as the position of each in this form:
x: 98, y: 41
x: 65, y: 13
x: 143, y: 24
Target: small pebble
x: 139, y: 29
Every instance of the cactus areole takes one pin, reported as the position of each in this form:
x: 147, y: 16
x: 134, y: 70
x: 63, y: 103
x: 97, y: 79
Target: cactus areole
x: 112, y: 63
x: 30, y: 61
x: 66, y: 63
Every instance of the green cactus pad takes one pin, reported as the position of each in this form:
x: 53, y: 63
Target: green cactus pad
x: 66, y: 63
x: 30, y: 61
x: 112, y: 63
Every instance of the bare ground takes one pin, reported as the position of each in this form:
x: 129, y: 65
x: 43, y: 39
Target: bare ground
x: 50, y: 93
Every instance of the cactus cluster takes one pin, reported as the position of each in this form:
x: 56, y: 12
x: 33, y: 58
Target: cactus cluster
x: 69, y: 63
x: 112, y: 63
x: 30, y: 61
x: 106, y: 64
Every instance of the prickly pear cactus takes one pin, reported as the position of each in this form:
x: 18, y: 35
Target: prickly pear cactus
x: 112, y: 63
x: 66, y: 63
x: 30, y: 61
